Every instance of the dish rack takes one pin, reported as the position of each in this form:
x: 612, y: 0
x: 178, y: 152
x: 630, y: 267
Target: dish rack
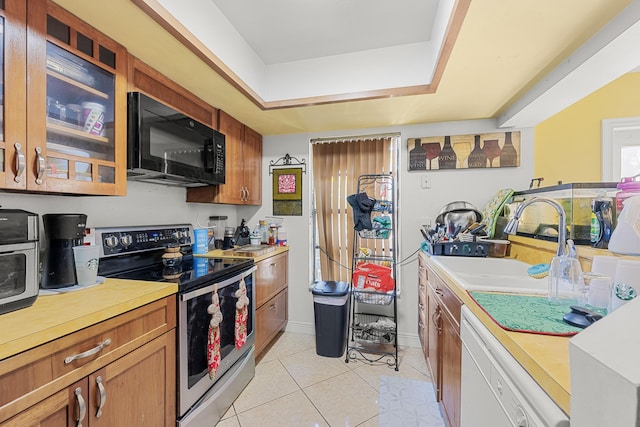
x: 373, y: 337
x: 457, y: 248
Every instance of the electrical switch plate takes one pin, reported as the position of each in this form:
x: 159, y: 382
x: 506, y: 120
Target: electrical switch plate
x: 426, y: 182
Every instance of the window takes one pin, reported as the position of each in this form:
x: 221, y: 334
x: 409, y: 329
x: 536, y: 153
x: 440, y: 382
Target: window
x: 620, y: 148
x: 337, y: 164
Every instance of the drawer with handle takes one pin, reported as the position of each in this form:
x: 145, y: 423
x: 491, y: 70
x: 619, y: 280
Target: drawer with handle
x: 270, y: 319
x: 271, y: 277
x: 35, y: 374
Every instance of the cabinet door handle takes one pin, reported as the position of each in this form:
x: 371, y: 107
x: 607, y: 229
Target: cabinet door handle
x: 82, y: 407
x: 246, y: 194
x: 272, y: 307
x: 102, y: 396
x: 41, y: 166
x: 421, y: 306
x: 21, y: 162
x: 436, y: 319
x: 421, y: 324
x: 440, y: 292
x: 88, y: 353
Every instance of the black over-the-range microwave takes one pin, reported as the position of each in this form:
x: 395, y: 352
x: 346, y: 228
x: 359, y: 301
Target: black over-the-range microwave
x: 167, y: 147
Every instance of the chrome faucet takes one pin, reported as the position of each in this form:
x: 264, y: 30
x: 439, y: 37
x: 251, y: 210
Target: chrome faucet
x: 512, y: 225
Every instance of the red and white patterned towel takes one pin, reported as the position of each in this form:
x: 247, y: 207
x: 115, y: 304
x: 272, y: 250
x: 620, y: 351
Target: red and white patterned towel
x: 213, y: 343
x: 242, y: 312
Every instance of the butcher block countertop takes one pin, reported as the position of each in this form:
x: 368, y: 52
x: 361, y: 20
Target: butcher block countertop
x: 53, y: 316
x: 258, y: 255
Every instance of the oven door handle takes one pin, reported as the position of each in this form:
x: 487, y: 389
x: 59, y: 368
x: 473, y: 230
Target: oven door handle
x: 210, y: 288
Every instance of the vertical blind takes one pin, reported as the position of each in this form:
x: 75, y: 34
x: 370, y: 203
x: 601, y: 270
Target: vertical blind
x: 337, y: 164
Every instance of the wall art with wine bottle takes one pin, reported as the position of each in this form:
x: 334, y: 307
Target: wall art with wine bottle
x: 474, y: 151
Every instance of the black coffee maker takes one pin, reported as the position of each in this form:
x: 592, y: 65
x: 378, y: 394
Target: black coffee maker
x: 62, y: 232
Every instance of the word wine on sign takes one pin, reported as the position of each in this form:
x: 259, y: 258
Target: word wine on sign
x: 471, y: 151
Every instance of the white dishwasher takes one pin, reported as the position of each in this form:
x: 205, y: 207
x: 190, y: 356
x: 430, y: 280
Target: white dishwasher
x: 496, y: 390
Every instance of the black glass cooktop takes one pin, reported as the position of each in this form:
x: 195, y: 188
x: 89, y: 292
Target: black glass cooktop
x: 190, y: 273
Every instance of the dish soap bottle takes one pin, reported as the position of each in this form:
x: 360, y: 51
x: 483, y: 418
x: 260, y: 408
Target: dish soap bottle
x: 263, y: 229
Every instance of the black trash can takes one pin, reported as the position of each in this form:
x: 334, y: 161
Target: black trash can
x: 331, y: 311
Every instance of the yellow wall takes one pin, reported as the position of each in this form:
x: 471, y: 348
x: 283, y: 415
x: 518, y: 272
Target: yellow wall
x: 568, y: 145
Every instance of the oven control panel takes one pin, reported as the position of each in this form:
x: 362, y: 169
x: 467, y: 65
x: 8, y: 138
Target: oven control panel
x: 117, y: 241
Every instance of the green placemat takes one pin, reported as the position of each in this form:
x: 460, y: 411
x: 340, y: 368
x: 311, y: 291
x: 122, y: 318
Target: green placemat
x: 526, y: 313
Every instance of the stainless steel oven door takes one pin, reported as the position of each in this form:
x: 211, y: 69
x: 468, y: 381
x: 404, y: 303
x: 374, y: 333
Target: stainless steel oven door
x: 193, y: 330
x: 18, y: 276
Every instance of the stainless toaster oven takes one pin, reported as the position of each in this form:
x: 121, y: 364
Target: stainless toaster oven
x: 18, y: 259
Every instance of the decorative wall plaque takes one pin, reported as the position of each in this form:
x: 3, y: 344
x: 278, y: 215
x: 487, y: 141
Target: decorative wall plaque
x: 287, y: 191
x: 473, y: 151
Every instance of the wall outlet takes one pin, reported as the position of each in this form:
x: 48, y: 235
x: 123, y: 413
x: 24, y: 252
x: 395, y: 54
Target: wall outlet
x: 425, y: 221
x: 425, y: 182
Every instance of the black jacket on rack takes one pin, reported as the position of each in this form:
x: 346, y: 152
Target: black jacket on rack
x: 362, y: 206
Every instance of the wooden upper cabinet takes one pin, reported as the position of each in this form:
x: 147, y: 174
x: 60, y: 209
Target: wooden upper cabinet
x: 64, y: 103
x: 232, y: 190
x: 252, y: 155
x: 243, y: 180
x: 144, y: 78
x: 13, y: 103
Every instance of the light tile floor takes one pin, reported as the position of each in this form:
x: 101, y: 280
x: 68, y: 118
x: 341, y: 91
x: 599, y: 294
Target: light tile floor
x: 293, y: 386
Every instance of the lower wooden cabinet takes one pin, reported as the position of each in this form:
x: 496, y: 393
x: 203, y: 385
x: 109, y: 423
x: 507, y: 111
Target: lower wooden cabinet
x: 271, y: 318
x: 271, y: 298
x: 441, y: 343
x: 58, y: 410
x: 451, y: 364
x: 422, y: 305
x: 124, y: 375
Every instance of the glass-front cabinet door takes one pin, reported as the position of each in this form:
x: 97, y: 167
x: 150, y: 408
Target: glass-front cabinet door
x: 63, y: 102
x: 80, y: 117
x: 84, y: 110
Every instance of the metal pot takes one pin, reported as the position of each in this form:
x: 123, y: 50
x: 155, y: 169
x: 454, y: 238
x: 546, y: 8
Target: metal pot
x: 458, y: 221
x: 458, y: 206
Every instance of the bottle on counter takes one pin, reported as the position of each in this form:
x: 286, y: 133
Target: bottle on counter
x: 601, y: 222
x: 273, y: 234
x: 282, y: 236
x: 628, y: 186
x: 264, y: 231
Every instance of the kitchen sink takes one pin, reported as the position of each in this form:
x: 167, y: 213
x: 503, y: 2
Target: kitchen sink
x: 492, y: 274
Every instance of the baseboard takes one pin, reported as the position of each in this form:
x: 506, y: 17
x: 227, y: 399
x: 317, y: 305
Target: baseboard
x: 301, y: 328
x: 409, y: 340
x: 405, y: 340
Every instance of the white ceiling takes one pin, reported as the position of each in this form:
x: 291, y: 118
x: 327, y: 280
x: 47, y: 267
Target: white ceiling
x: 294, y: 30
x: 508, y: 55
x: 285, y: 50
